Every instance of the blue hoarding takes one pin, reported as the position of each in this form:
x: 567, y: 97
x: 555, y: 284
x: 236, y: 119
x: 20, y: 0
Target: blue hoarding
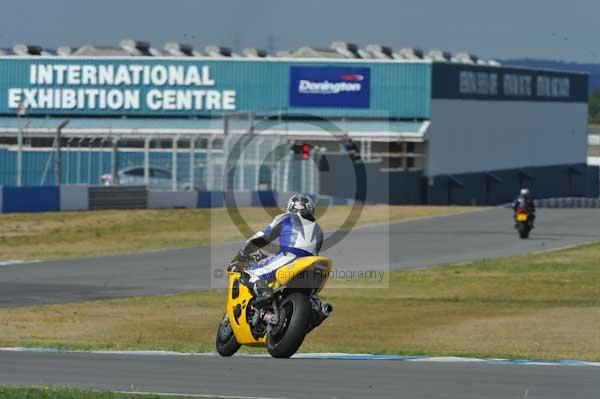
x: 330, y: 87
x: 491, y: 83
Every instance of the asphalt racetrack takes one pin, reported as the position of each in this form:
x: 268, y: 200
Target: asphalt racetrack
x: 418, y: 243
x: 251, y: 377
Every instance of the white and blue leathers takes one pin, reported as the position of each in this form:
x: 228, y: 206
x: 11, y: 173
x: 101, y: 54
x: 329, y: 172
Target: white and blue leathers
x: 299, y: 236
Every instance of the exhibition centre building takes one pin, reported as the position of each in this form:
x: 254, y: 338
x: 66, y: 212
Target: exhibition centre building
x: 429, y: 128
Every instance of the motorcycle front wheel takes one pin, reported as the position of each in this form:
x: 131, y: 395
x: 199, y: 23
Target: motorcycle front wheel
x: 227, y: 345
x: 289, y: 334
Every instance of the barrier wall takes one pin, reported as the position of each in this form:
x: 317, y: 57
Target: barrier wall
x: 337, y: 188
x: 172, y: 199
x: 74, y: 197
x: 498, y: 187
x: 30, y: 199
x: 210, y: 199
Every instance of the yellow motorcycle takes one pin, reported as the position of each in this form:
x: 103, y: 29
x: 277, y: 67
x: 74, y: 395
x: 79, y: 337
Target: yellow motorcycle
x: 280, y: 322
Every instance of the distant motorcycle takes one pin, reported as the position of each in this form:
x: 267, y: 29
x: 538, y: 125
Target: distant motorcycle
x: 524, y: 222
x: 282, y: 322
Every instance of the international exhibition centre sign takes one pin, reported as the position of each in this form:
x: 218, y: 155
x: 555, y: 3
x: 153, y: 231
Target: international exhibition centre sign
x: 118, y: 87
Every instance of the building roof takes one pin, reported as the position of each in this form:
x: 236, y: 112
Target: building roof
x: 336, y: 50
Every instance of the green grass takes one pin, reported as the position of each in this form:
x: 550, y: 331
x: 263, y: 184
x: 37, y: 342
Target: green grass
x: 7, y: 392
x: 542, y: 306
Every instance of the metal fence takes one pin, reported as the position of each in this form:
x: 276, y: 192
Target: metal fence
x: 161, y: 162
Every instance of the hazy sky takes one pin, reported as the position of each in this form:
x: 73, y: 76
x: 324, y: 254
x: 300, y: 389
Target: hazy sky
x: 550, y: 29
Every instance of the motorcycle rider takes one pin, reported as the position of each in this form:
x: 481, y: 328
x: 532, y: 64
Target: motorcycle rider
x: 525, y: 201
x: 299, y: 235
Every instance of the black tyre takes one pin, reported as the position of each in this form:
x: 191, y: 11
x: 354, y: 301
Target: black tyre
x: 523, y: 230
x: 285, y: 340
x: 227, y: 345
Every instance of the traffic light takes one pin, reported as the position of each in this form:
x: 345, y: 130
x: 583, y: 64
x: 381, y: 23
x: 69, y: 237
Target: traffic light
x: 302, y: 150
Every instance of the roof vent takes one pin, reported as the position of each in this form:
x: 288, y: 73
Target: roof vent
x: 438, y: 55
x: 179, y: 49
x: 253, y: 52
x: 27, y: 49
x: 408, y: 53
x: 218, y: 51
x: 138, y: 47
x: 348, y: 50
x: 464, y: 58
x: 362, y: 53
x: 379, y: 51
x: 65, y: 51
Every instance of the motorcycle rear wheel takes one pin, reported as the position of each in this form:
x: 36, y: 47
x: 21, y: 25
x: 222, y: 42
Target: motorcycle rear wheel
x: 292, y: 330
x: 523, y: 230
x: 226, y: 343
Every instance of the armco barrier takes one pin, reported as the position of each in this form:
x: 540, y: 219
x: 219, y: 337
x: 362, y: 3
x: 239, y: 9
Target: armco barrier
x: 577, y: 202
x: 172, y: 199
x: 74, y: 197
x: 118, y: 197
x: 30, y: 199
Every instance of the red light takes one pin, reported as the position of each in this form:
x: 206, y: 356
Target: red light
x: 302, y: 150
x: 306, y: 148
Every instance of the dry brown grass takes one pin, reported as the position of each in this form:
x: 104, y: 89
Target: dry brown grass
x: 74, y: 234
x: 544, y: 306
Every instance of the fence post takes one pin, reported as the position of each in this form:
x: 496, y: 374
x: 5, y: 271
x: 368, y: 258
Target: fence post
x: 115, y: 161
x: 58, y: 168
x: 209, y: 164
x: 79, y: 159
x: 192, y: 163
x: 20, y: 154
x: 147, y: 141
x: 174, y: 164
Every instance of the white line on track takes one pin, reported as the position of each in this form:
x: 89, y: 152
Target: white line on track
x: 330, y: 356
x: 195, y: 395
x: 10, y: 262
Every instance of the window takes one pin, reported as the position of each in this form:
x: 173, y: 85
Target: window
x: 160, y: 174
x: 135, y: 172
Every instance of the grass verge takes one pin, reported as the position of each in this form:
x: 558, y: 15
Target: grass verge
x: 542, y: 306
x: 75, y: 234
x: 7, y: 392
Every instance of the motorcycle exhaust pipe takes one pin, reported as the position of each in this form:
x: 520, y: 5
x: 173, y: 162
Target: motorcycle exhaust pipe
x: 326, y: 309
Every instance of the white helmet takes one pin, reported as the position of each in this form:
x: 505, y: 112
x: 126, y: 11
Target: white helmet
x: 524, y: 191
x: 301, y: 203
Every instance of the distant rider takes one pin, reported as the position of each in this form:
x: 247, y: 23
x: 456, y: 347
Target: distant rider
x: 299, y: 235
x: 525, y: 201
